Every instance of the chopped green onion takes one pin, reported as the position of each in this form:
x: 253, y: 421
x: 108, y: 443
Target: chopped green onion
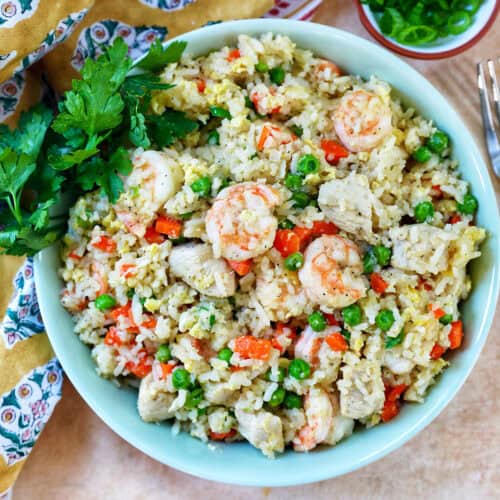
x: 286, y: 224
x: 186, y: 216
x: 194, y: 398
x: 213, y: 138
x: 369, y: 262
x: 391, y: 22
x: 297, y: 130
x: 391, y: 342
x: 417, y: 35
x: 458, y: 22
x: 219, y: 112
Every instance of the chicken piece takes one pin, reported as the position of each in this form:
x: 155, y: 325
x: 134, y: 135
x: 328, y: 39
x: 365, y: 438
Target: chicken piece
x: 195, y: 264
x: 154, y: 401
x: 341, y: 427
x: 262, y: 429
x: 348, y: 204
x: 361, y: 388
x: 421, y: 248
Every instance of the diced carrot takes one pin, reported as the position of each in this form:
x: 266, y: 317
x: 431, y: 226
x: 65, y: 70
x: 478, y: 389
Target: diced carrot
x: 128, y: 270
x: 456, y: 334
x: 233, y: 54
x: 234, y: 368
x: 266, y: 132
x: 277, y: 345
x: 389, y: 411
x: 277, y: 109
x: 250, y: 347
x: 142, y: 367
x: 105, y: 244
x: 437, y: 351
x: 391, y: 403
x: 201, y: 85
x: 304, y: 234
x: 331, y: 320
x: 287, y: 242
x: 74, y: 255
x: 169, y: 226
x: 125, y: 310
x: 152, y: 236
x: 333, y: 151
x: 220, y: 436
x: 378, y: 283
x: 112, y: 337
x: 166, y: 369
x: 337, y: 342
x: 454, y: 219
x: 423, y: 284
x: 321, y: 227
x: 242, y: 268
x: 150, y: 322
x: 438, y: 313
x: 437, y: 191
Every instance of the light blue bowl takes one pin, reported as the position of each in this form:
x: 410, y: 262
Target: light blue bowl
x: 240, y: 463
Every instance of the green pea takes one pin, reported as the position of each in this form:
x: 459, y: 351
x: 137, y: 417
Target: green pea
x: 385, y: 319
x: 225, y: 354
x: 261, y: 67
x: 294, y: 261
x: 293, y: 182
x: 181, y: 379
x: 308, y: 164
x: 194, y: 398
x: 446, y: 319
x: 301, y: 199
x: 422, y: 154
x: 299, y: 369
x: 219, y: 112
x: 277, y: 75
x: 277, y: 397
x: 164, y: 353
x: 352, y: 315
x: 469, y: 205
x: 286, y: 224
x: 213, y: 138
x: 382, y: 254
x: 297, y: 130
x: 292, y: 401
x: 104, y: 302
x: 317, y: 321
x: 437, y: 142
x: 369, y: 262
x: 202, y: 186
x: 424, y: 211
x: 279, y: 377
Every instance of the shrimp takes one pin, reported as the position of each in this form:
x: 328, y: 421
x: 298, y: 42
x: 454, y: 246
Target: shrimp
x: 362, y: 120
x: 319, y: 416
x: 155, y: 178
x: 309, y: 343
x: 332, y: 272
x: 326, y: 70
x: 240, y: 224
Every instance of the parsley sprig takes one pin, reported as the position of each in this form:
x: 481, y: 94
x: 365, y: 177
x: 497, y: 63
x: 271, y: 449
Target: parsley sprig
x: 85, y: 146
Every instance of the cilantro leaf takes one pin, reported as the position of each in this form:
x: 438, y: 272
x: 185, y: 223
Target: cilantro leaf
x: 94, y: 104
x: 171, y: 125
x: 159, y: 56
x: 105, y: 174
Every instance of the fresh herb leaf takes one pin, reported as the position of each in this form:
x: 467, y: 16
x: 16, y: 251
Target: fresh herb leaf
x: 159, y: 56
x: 169, y: 126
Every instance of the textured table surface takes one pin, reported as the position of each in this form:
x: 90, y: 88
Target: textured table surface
x: 457, y: 456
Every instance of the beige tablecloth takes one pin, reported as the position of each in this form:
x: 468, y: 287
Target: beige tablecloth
x: 457, y: 456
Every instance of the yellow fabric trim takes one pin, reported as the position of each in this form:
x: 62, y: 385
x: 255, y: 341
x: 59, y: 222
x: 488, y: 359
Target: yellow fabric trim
x: 27, y: 35
x: 31, y: 95
x: 24, y: 356
x: 8, y: 269
x: 58, y: 62
x: 8, y: 474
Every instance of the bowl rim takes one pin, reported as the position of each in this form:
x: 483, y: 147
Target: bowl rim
x: 416, y: 54
x: 312, y: 474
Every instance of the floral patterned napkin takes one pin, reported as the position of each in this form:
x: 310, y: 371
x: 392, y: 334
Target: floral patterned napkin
x: 62, y: 35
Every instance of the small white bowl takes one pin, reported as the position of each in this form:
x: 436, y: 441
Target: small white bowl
x: 448, y: 46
